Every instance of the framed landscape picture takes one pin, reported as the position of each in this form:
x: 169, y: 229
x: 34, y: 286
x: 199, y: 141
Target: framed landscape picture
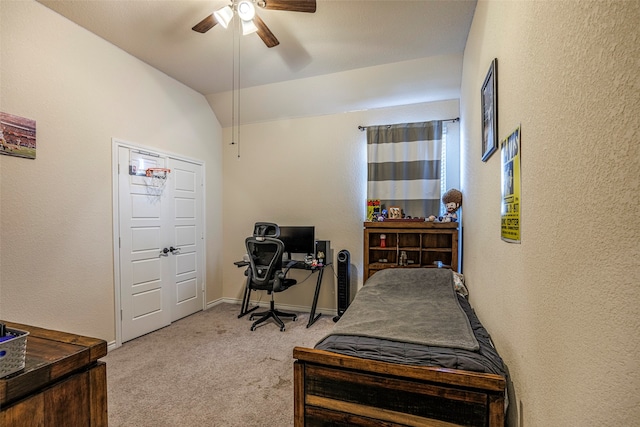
x: 489, y: 97
x: 17, y: 136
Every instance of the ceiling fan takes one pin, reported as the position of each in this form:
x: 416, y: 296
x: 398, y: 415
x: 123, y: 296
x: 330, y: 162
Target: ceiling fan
x: 251, y: 22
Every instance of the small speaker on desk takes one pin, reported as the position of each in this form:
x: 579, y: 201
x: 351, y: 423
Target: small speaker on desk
x: 323, y: 248
x: 344, y: 282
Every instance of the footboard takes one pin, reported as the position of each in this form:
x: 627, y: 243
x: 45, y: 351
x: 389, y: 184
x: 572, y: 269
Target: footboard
x: 331, y: 389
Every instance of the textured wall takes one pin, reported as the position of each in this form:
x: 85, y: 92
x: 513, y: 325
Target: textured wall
x: 562, y: 306
x: 56, y: 249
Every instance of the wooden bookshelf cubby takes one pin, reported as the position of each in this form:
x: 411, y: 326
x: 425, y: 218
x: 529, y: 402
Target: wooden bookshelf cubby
x: 426, y: 244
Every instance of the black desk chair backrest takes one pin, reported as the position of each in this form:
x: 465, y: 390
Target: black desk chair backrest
x: 265, y: 269
x: 265, y: 262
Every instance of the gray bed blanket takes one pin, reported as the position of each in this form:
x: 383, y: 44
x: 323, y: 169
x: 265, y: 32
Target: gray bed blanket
x: 416, y: 305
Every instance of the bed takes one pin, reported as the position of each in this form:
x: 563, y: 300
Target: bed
x: 409, y: 351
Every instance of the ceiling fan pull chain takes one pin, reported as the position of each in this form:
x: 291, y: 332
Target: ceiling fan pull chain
x: 235, y: 90
x: 238, y: 91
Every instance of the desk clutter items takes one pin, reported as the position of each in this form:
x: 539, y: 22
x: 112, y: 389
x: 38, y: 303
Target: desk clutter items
x: 13, y: 350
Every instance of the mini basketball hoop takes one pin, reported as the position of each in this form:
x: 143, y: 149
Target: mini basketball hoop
x: 158, y: 172
x: 156, y: 178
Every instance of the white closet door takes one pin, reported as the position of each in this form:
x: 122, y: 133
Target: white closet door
x: 144, y: 269
x: 187, y: 262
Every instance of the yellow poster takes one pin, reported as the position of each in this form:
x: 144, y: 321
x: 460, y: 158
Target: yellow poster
x: 510, y: 209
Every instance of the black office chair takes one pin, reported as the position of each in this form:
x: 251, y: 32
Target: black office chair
x: 265, y: 270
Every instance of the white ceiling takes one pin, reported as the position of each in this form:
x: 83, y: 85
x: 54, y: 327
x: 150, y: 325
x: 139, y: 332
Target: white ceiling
x: 342, y: 35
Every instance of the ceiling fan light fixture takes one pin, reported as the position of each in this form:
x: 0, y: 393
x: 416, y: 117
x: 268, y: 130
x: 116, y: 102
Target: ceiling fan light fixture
x: 246, y: 10
x: 223, y: 16
x: 248, y: 27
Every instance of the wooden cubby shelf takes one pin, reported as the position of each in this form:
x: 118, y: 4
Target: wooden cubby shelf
x: 426, y: 244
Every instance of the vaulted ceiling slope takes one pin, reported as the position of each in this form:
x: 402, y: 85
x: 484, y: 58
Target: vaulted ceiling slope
x: 342, y: 36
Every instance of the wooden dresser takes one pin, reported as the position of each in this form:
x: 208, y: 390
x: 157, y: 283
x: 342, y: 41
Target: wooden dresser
x: 63, y: 383
x: 424, y: 244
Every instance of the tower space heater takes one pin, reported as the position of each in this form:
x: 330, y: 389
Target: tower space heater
x: 344, y: 282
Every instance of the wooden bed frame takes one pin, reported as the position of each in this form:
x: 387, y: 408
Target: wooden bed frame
x: 332, y: 389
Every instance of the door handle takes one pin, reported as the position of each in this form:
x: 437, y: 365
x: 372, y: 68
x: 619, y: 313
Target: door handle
x: 165, y: 251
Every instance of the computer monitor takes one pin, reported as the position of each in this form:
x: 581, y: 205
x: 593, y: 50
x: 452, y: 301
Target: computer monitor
x: 298, y: 239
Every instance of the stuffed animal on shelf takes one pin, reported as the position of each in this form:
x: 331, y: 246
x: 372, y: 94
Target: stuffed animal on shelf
x: 452, y: 200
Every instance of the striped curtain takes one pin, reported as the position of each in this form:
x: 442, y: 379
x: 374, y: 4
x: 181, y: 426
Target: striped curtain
x: 404, y: 166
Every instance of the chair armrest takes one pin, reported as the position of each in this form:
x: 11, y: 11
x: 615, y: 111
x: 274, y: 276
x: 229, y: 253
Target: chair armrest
x: 280, y: 276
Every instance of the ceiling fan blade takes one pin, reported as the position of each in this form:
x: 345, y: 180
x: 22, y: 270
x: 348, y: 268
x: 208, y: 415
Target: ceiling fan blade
x: 205, y: 25
x: 265, y: 33
x: 308, y: 6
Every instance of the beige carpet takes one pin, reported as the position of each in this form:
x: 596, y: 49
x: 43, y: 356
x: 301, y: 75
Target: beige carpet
x: 209, y: 369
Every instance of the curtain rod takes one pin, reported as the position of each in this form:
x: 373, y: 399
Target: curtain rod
x: 457, y: 119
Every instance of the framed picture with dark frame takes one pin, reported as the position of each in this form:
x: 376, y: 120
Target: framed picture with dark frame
x: 489, y: 96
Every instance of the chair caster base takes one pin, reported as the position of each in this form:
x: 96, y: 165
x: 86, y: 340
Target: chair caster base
x: 274, y: 314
